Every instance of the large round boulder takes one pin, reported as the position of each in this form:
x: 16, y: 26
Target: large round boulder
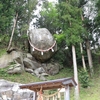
x: 42, y: 43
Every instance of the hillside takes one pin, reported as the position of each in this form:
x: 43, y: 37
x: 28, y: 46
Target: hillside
x: 89, y: 93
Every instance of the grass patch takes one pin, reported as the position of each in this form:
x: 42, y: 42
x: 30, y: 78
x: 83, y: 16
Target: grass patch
x: 28, y: 78
x: 64, y: 73
x: 2, y: 52
x: 20, y: 78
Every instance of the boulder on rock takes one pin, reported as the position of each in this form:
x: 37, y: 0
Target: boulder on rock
x: 42, y: 44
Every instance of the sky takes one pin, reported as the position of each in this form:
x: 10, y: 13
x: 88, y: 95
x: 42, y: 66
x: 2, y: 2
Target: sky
x: 53, y: 1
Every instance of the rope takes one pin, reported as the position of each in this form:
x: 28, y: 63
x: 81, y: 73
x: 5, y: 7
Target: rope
x: 51, y: 95
x: 40, y: 97
x: 41, y: 49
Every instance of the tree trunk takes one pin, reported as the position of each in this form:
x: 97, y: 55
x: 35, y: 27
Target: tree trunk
x: 83, y: 60
x: 12, y: 32
x: 89, y: 57
x: 75, y: 73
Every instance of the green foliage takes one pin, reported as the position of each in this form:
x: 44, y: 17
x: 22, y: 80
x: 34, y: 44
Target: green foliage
x: 3, y: 73
x: 49, y: 18
x: 25, y: 9
x: 82, y: 3
x: 24, y: 31
x: 4, y: 39
x: 8, y: 11
x: 60, y: 57
x: 84, y: 78
x: 52, y: 91
x: 6, y: 15
x: 60, y: 38
x: 2, y: 52
x: 21, y: 78
x: 97, y: 18
x: 71, y: 22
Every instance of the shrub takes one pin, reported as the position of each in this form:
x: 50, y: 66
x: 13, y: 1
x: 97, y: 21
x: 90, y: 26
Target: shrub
x: 84, y: 78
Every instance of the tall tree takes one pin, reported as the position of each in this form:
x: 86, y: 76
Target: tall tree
x: 81, y: 5
x: 24, y: 11
x: 97, y: 22
x: 72, y: 26
x: 12, y: 32
x: 48, y: 17
x: 88, y: 16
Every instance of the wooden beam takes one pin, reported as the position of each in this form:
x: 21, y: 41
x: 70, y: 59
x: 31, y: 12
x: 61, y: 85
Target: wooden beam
x: 51, y: 84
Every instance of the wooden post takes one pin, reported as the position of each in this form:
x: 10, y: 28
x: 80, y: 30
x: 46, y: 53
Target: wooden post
x: 34, y: 95
x: 53, y: 98
x: 67, y: 93
x: 59, y: 95
x: 47, y: 98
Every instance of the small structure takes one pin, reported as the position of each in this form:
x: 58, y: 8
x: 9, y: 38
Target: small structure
x: 52, y: 84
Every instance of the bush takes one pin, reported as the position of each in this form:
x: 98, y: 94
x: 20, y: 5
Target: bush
x: 84, y: 78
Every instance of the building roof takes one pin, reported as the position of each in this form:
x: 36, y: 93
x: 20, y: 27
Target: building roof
x: 51, y: 84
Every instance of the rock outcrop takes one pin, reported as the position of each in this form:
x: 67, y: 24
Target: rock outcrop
x: 37, y: 62
x: 33, y: 67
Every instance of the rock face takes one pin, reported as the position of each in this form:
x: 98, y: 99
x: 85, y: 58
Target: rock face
x: 11, y: 91
x: 7, y: 58
x: 42, y: 43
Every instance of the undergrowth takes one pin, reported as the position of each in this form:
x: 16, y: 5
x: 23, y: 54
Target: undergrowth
x: 2, y: 52
x: 28, y: 78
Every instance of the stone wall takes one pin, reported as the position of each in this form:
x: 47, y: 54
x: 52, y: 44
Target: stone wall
x: 11, y: 91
